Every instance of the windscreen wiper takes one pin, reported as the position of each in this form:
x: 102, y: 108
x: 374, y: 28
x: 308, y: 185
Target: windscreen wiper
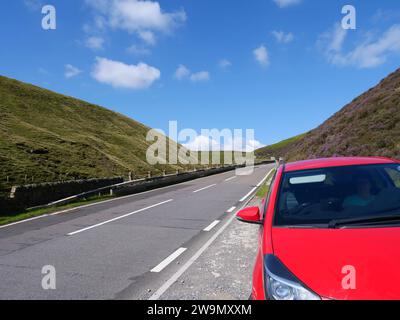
x: 364, y: 220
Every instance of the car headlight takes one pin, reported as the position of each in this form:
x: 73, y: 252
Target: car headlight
x: 281, y: 284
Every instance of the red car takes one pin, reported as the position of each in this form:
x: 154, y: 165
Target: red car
x: 330, y: 229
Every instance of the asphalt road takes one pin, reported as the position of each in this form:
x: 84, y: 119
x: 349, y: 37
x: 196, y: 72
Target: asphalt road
x: 134, y: 247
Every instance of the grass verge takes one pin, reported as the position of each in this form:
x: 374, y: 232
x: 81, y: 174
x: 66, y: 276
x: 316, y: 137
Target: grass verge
x: 263, y: 190
x: 7, y: 219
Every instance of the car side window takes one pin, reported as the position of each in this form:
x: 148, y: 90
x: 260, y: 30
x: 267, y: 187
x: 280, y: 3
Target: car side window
x: 269, y: 194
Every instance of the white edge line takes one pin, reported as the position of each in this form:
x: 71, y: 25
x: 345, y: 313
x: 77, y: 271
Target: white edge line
x: 168, y: 260
x: 211, y: 226
x: 263, y: 180
x: 118, y: 218
x: 187, y: 265
x: 256, y: 187
x: 231, y: 178
x: 248, y: 195
x: 208, y: 187
x: 22, y: 221
x: 231, y: 210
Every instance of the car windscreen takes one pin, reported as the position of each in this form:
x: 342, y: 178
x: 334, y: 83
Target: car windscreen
x: 316, y: 197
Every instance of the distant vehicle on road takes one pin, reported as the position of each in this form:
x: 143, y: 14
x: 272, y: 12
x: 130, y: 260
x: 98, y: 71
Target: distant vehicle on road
x: 330, y: 229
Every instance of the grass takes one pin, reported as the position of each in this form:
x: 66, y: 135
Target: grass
x: 263, y: 190
x: 6, y: 219
x: 278, y: 149
x: 48, y: 137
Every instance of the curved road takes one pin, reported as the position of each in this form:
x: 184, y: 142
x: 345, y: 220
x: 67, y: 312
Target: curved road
x: 127, y: 248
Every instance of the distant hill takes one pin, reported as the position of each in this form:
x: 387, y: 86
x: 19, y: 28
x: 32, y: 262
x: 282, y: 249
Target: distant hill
x: 278, y: 149
x: 47, y: 137
x: 368, y: 126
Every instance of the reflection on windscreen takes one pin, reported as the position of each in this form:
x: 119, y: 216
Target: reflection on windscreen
x: 319, y: 196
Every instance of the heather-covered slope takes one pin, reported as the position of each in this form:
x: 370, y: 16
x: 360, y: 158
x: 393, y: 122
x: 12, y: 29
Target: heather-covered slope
x: 368, y: 126
x: 48, y: 137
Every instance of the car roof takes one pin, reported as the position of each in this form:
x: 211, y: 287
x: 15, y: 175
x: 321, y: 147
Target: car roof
x: 336, y: 162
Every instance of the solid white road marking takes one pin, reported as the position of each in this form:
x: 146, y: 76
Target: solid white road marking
x: 205, y: 188
x: 211, y: 226
x: 118, y: 218
x: 255, y: 188
x: 22, y: 221
x: 187, y: 265
x: 231, y: 210
x: 231, y: 178
x: 248, y: 195
x: 168, y: 260
x: 265, y: 178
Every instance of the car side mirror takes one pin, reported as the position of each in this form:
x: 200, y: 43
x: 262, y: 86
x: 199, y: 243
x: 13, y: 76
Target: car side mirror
x: 250, y: 215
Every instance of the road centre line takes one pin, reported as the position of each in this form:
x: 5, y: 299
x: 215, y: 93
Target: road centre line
x: 168, y: 260
x: 231, y: 178
x: 231, y: 210
x: 205, y: 188
x: 118, y: 218
x: 211, y: 226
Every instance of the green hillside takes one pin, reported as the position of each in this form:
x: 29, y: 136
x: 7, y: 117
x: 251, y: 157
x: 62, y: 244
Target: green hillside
x: 368, y: 126
x: 46, y: 136
x: 278, y: 149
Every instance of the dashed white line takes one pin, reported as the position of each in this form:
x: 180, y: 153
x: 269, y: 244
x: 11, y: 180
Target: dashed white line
x: 118, y: 218
x: 211, y: 226
x: 205, y: 188
x: 231, y: 210
x: 168, y: 260
x: 231, y: 178
x: 187, y: 265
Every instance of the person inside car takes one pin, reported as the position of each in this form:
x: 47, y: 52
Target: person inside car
x: 363, y: 196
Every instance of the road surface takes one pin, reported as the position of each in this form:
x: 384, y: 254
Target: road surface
x: 134, y: 247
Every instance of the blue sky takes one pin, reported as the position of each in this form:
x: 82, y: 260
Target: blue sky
x: 280, y: 67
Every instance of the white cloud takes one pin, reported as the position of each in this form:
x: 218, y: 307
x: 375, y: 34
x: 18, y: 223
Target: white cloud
x: 200, y: 76
x: 95, y: 43
x: 182, y: 72
x: 283, y: 37
x: 224, y: 63
x: 203, y: 143
x: 147, y: 36
x: 207, y: 143
x: 120, y: 75
x: 143, y: 17
x: 370, y: 53
x: 71, y: 71
x: 286, y: 3
x: 261, y: 55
